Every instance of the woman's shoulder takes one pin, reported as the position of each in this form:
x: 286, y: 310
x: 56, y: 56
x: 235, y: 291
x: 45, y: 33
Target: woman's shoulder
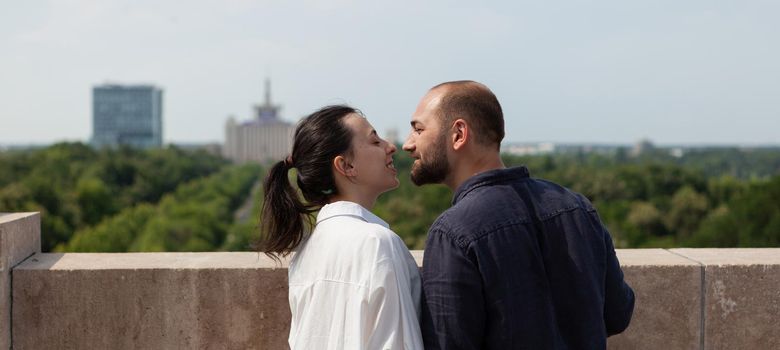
x: 359, y: 229
x: 352, y: 233
x: 352, y: 230
x: 388, y: 243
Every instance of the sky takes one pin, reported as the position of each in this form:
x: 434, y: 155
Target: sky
x: 674, y: 72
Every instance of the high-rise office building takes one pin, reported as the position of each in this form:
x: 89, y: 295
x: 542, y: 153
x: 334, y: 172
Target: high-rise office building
x: 127, y: 115
x: 264, y: 138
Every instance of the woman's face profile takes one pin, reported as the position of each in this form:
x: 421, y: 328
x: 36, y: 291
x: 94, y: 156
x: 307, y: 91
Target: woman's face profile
x: 372, y: 157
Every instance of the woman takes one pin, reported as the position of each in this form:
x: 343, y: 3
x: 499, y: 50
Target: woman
x: 353, y: 283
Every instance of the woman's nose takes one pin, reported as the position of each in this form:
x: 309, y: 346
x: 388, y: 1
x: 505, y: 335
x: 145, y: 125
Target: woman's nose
x: 392, y: 148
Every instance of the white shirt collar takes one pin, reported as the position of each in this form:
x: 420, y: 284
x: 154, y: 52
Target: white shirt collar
x: 344, y: 208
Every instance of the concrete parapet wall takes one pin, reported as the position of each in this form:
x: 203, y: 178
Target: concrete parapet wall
x: 20, y: 237
x: 668, y: 301
x: 150, y: 301
x: 741, y: 308
x: 686, y: 299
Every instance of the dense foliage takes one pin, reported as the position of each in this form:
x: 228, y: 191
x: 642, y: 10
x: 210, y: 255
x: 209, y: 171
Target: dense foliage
x: 196, y: 217
x: 706, y: 198
x: 75, y: 186
x: 175, y: 200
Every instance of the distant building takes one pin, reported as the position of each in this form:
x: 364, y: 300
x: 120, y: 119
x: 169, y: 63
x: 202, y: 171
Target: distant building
x: 264, y: 138
x: 641, y: 147
x: 127, y: 115
x: 524, y: 149
x: 677, y: 152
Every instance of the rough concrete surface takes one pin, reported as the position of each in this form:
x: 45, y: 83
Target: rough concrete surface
x: 742, y: 297
x: 239, y: 300
x: 19, y: 238
x: 157, y: 304
x: 667, y: 309
x: 124, y: 261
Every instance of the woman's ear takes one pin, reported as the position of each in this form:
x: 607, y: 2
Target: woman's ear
x: 343, y: 167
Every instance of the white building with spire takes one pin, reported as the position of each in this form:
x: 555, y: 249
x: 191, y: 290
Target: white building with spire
x: 264, y: 138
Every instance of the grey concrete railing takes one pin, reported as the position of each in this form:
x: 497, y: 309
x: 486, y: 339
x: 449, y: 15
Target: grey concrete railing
x: 686, y: 298
x: 20, y: 237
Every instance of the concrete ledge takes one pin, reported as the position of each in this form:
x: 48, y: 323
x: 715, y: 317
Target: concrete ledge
x: 20, y: 237
x: 239, y: 300
x: 686, y: 299
x: 741, y: 297
x: 150, y: 301
x: 151, y: 261
x: 668, y: 300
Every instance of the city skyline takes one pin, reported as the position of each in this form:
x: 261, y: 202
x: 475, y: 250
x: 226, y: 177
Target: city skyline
x: 612, y: 72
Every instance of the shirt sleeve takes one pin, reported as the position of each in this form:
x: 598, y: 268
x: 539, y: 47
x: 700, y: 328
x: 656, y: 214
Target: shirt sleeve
x: 453, y: 314
x: 392, y: 313
x: 618, y: 296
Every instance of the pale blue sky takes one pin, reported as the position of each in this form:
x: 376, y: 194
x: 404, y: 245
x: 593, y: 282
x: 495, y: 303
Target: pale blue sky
x: 604, y: 71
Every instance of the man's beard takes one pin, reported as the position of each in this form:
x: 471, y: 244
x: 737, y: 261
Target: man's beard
x: 436, y: 169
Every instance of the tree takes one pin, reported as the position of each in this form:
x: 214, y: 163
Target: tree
x: 688, y: 208
x: 646, y: 218
x: 95, y: 200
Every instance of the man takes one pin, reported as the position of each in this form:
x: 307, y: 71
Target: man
x: 516, y: 262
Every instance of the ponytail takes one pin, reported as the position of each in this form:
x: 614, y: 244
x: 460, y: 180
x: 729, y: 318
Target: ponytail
x: 284, y: 216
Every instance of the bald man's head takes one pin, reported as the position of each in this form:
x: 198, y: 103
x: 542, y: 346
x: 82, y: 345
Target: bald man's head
x: 476, y: 104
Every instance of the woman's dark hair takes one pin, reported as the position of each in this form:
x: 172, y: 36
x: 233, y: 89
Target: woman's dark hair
x: 319, y: 138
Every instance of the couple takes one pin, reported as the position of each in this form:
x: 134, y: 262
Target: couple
x: 515, y: 263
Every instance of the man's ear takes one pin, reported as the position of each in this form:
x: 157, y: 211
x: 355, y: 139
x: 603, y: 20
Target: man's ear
x: 460, y: 134
x: 343, y: 167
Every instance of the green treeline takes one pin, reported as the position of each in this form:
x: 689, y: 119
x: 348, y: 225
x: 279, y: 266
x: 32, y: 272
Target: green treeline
x: 196, y: 217
x: 707, y: 198
x: 75, y: 187
x: 175, y: 200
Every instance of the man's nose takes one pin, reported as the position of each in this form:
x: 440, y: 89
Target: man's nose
x: 408, y: 144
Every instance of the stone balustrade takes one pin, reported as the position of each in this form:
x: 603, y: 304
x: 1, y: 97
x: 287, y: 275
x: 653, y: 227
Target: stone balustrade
x: 686, y: 298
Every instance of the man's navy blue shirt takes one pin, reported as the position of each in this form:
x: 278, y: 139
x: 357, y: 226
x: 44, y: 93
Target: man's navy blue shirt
x: 521, y: 263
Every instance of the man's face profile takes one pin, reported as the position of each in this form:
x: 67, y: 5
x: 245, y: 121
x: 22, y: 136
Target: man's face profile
x: 433, y: 168
x: 427, y: 143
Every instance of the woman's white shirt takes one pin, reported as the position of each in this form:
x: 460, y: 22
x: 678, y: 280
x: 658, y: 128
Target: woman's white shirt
x: 353, y: 285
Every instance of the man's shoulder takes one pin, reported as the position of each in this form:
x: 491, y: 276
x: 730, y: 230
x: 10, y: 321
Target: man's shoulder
x: 547, y: 197
x: 552, y: 199
x: 500, y: 204
x: 482, y: 211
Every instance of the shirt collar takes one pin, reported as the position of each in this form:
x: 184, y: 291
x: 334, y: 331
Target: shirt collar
x: 487, y: 178
x: 344, y: 208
